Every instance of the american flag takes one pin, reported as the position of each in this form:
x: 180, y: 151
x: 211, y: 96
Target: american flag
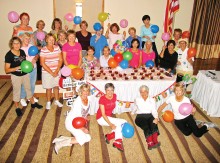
x: 171, y: 8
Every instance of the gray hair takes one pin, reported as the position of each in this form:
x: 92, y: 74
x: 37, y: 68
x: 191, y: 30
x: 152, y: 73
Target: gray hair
x: 148, y: 41
x: 144, y: 87
x: 109, y: 85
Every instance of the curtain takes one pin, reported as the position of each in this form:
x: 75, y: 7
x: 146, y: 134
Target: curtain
x: 205, y: 28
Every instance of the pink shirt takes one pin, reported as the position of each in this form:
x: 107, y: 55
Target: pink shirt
x: 72, y: 52
x: 29, y: 58
x: 147, y: 56
x: 134, y: 62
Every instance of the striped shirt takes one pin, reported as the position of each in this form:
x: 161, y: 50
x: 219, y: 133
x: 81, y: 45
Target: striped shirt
x: 51, y: 58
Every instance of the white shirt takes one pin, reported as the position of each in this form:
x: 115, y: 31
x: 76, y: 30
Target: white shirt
x: 103, y: 61
x: 113, y: 38
x: 182, y: 57
x: 146, y: 107
x: 175, y: 106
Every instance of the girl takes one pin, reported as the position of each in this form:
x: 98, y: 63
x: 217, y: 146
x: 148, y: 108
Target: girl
x: 104, y: 117
x: 61, y: 39
x: 81, y: 108
x: 136, y: 53
x: 51, y: 61
x: 148, y: 53
x: 105, y: 57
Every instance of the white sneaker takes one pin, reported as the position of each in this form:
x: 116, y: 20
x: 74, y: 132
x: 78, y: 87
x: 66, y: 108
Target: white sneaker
x: 48, y: 105
x: 210, y: 125
x: 198, y: 122
x: 58, y: 103
x: 23, y: 102
x: 35, y: 99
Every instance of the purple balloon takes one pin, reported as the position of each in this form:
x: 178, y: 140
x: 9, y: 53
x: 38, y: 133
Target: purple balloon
x: 185, y: 108
x: 165, y: 36
x: 65, y: 71
x: 40, y: 36
x: 13, y: 17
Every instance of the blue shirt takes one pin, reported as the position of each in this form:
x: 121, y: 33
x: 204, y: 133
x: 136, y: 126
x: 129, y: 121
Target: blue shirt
x: 147, y: 32
x: 129, y: 39
x: 98, y: 45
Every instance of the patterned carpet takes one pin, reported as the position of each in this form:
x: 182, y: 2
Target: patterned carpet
x: 29, y: 138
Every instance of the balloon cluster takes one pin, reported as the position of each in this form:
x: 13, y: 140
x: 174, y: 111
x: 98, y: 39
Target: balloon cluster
x: 72, y: 70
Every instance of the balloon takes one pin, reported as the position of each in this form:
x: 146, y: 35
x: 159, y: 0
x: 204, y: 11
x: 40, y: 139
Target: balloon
x: 78, y: 122
x: 13, y: 17
x: 77, y: 73
x: 65, y: 71
x: 119, y: 42
x: 123, y: 23
x: 32, y: 51
x: 154, y: 28
x: 40, y: 36
x: 127, y: 55
x: 26, y: 66
x: 165, y: 36
x: 191, y: 52
x: 97, y: 26
x: 72, y: 66
x: 185, y: 34
x: 168, y: 116
x: 61, y: 82
x: 124, y: 64
x: 77, y: 20
x: 69, y: 17
x: 102, y: 16
x: 185, y: 108
x: 112, y: 52
x: 127, y: 130
x: 118, y: 57
x: 112, y: 63
x: 149, y: 63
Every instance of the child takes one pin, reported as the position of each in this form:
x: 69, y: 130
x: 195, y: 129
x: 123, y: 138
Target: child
x: 105, y: 57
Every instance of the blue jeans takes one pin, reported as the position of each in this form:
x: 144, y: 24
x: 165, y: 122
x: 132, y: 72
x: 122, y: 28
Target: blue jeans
x: 33, y: 78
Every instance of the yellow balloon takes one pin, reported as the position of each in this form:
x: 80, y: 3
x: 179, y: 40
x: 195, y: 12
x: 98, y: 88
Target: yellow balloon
x: 71, y: 66
x: 102, y: 16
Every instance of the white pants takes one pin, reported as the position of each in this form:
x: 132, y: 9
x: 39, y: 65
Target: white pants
x: 117, y: 122
x: 79, y: 135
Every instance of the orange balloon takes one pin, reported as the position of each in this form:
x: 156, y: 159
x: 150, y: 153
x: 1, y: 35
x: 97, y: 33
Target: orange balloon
x: 185, y: 34
x: 77, y: 73
x: 191, y: 52
x: 168, y: 116
x: 112, y: 63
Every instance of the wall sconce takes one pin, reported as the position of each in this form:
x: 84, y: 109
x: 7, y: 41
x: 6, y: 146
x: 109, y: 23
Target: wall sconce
x: 79, y: 7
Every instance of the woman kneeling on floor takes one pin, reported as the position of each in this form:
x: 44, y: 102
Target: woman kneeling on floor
x: 147, y: 117
x: 81, y: 108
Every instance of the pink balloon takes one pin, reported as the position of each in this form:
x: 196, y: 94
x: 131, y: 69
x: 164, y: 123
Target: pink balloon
x: 123, y: 23
x: 40, y: 36
x: 13, y: 17
x: 185, y: 108
x: 65, y: 71
x: 69, y: 17
x: 165, y: 36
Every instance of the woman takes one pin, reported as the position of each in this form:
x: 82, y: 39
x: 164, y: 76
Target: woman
x: 177, y: 34
x: 185, y: 123
x: 90, y: 61
x: 148, y: 53
x: 135, y: 62
x: 104, y: 117
x: 84, y: 36
x: 72, y: 51
x: 133, y: 35
x: 168, y: 57
x: 13, y: 60
x: 56, y: 27
x: 147, y: 117
x: 61, y: 39
x: 148, y: 35
x: 105, y: 57
x: 113, y: 35
x: 98, y: 41
x: 40, y: 28
x: 51, y: 61
x: 33, y: 74
x: 81, y: 108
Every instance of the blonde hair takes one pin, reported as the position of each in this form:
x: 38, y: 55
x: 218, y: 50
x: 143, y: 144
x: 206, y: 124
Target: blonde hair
x: 131, y: 28
x: 50, y: 35
x: 26, y: 34
x: 148, y: 41
x: 82, y: 87
x: 61, y: 32
x: 181, y: 86
x: 38, y: 22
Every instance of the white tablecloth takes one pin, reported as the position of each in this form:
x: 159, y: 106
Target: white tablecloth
x: 206, y: 92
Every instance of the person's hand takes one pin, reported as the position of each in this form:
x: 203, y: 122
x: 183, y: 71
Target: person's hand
x: 193, y: 110
x: 155, y: 121
x: 164, y: 47
x: 178, y: 63
x: 113, y: 127
x: 74, y: 26
x: 66, y: 27
x: 124, y: 33
x: 154, y: 37
x: 147, y: 37
x: 87, y: 118
x: 17, y: 68
x: 85, y: 130
x: 108, y: 25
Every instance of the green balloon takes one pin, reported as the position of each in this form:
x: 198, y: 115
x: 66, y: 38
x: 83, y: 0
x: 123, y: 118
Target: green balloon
x: 127, y: 56
x: 26, y: 66
x: 119, y: 42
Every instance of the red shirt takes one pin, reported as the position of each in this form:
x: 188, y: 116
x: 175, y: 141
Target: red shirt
x: 108, y: 104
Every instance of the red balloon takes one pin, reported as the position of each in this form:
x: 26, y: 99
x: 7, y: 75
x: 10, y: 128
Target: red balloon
x: 112, y: 63
x: 191, y: 52
x: 118, y: 57
x: 168, y: 116
x: 185, y: 34
x: 78, y: 122
x: 61, y: 82
x: 77, y: 73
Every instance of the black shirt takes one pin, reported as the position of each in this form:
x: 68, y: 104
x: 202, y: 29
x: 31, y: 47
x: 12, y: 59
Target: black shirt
x: 15, y: 61
x: 84, y: 41
x: 169, y: 60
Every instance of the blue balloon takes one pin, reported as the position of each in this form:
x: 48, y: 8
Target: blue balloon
x: 97, y: 26
x: 77, y: 20
x: 124, y: 64
x: 154, y: 28
x: 149, y: 63
x: 113, y: 52
x: 125, y: 44
x: 32, y: 51
x: 127, y: 130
